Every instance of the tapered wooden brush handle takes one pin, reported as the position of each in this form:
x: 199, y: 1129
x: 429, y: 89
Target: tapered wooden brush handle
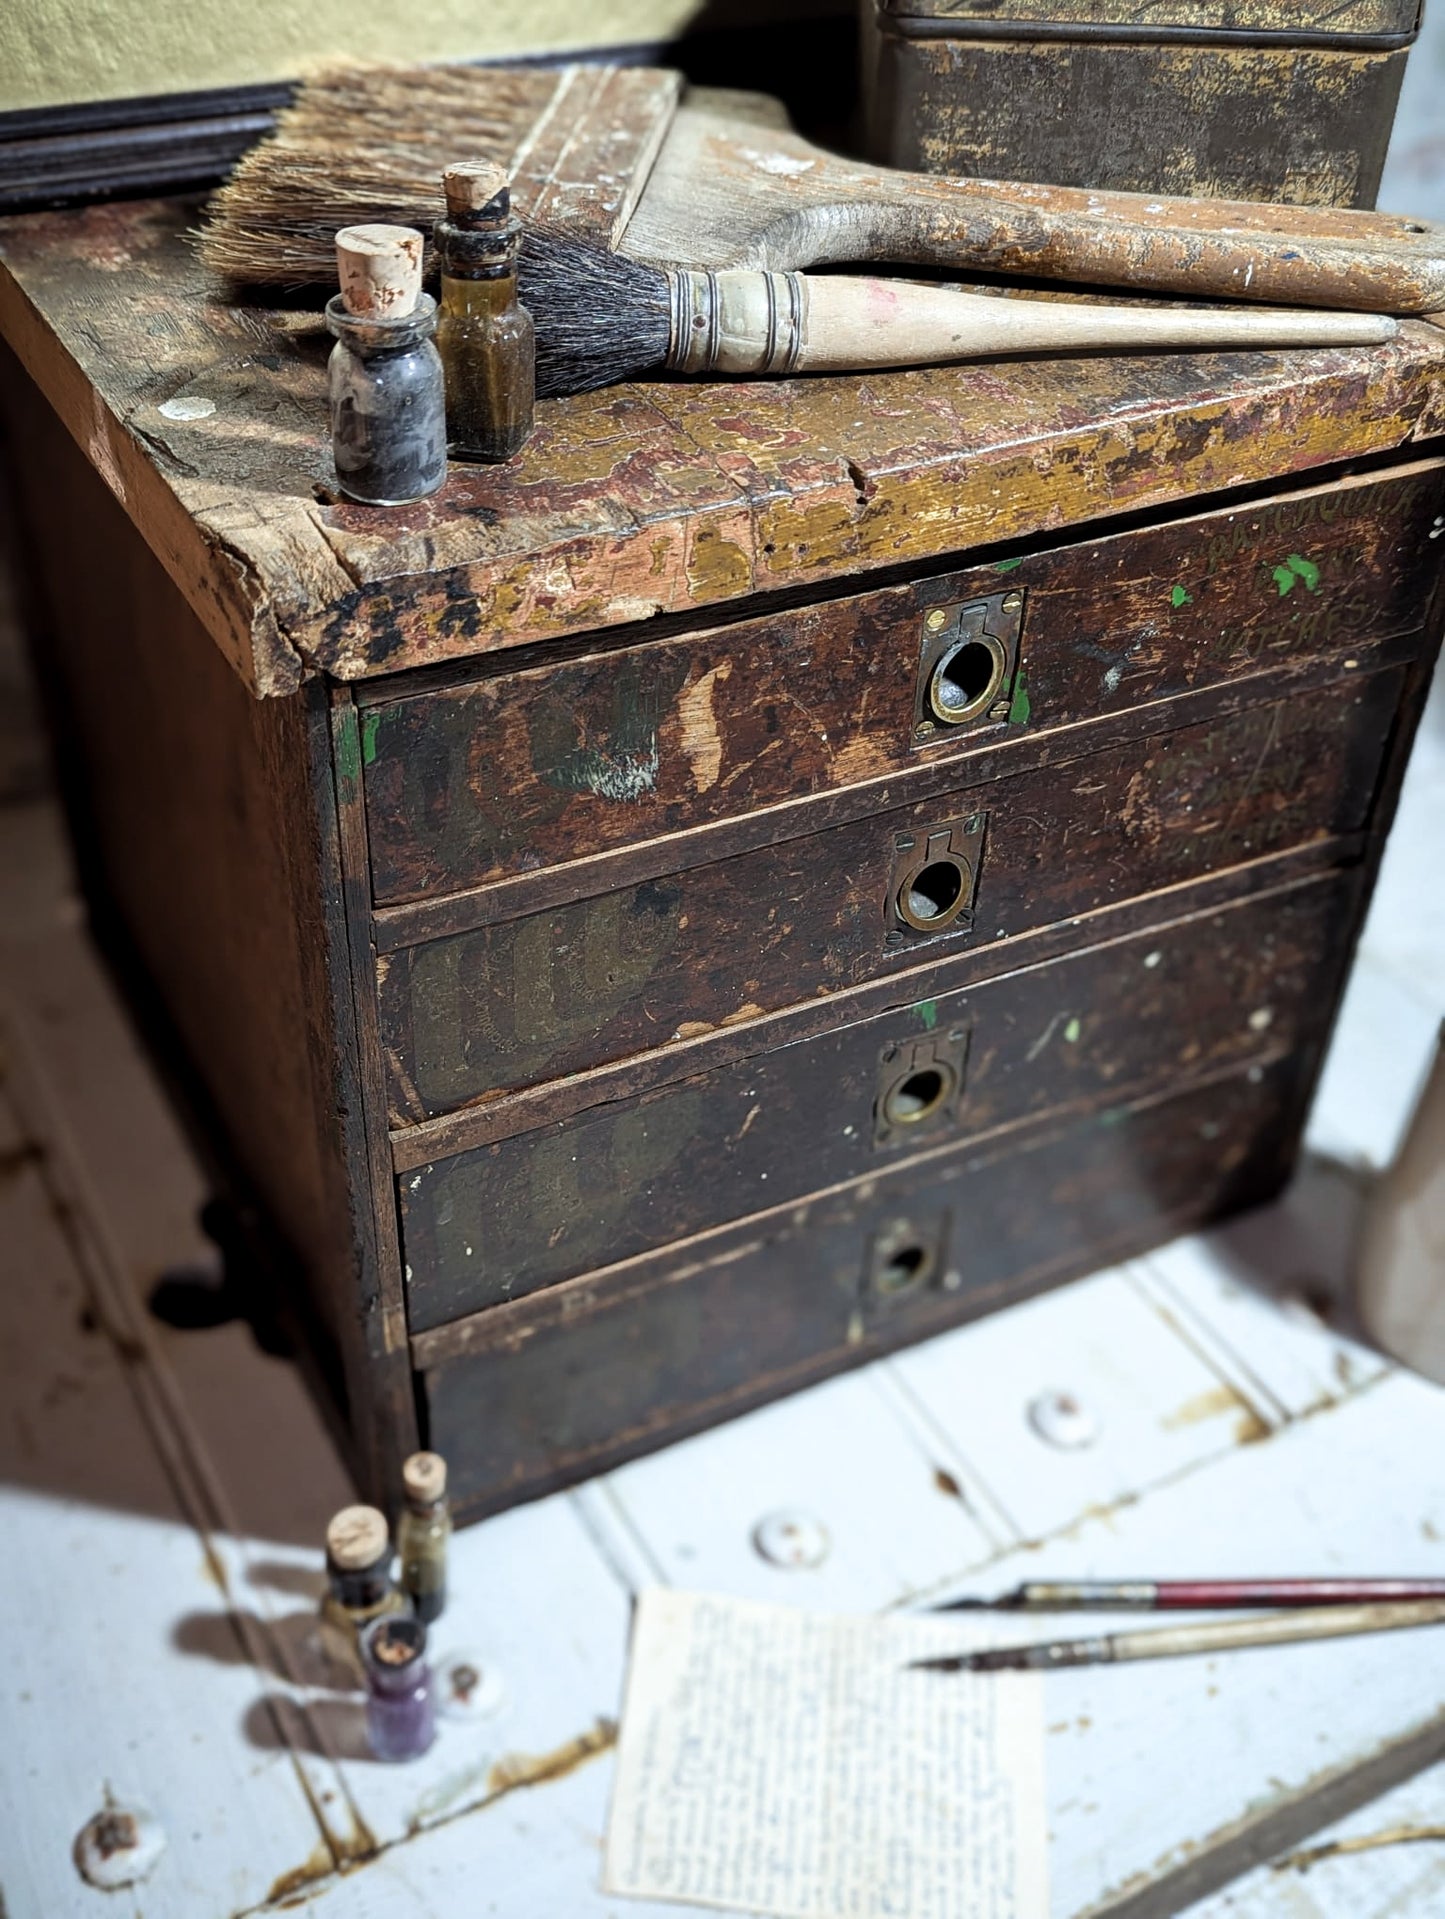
x: 743, y: 322
x: 724, y: 192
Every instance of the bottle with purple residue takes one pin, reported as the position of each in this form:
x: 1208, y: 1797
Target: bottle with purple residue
x: 400, y: 1713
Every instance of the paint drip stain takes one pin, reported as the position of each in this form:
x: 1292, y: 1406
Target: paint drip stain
x: 1021, y: 707
x: 370, y: 724
x: 535, y: 1769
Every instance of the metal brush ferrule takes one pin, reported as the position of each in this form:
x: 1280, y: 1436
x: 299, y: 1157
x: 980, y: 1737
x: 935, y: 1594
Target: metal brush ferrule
x: 739, y: 320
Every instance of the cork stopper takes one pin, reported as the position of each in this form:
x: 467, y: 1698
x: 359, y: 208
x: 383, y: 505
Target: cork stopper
x: 356, y: 1538
x: 475, y: 187
x: 380, y: 270
x: 424, y: 1476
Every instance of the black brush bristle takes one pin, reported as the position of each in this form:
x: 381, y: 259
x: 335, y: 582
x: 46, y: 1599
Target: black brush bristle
x: 600, y: 317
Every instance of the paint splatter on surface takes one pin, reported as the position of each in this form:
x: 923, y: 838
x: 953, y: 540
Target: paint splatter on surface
x: 369, y: 724
x: 927, y: 1011
x: 1020, y: 708
x: 1072, y: 1032
x: 1007, y: 566
x: 1179, y: 597
x: 1297, y: 567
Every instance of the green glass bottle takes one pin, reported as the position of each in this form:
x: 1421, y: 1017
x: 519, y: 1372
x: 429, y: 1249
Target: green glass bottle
x: 423, y: 1533
x: 485, y: 337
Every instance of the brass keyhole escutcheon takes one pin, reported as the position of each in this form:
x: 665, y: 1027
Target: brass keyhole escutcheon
x: 967, y: 678
x: 914, y: 1099
x: 902, y: 1269
x: 935, y: 893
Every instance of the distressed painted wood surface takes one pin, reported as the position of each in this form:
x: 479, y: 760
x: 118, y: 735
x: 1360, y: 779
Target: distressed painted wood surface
x: 209, y: 421
x: 1234, y: 16
x: 622, y: 1175
x: 502, y: 775
x: 479, y: 1014
x: 815, y: 1287
x: 1251, y: 122
x: 922, y: 1485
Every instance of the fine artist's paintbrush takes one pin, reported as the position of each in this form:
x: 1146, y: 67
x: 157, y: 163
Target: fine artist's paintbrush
x: 1193, y: 1595
x: 601, y: 317
x: 1212, y: 1636
x: 718, y: 179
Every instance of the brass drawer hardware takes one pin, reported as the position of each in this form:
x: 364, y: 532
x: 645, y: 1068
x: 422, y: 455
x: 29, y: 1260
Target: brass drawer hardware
x: 906, y: 1257
x: 920, y: 1084
x: 934, y: 880
x: 967, y: 666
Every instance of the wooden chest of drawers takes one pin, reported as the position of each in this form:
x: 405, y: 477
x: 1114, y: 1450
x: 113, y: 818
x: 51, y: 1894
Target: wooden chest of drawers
x: 766, y: 876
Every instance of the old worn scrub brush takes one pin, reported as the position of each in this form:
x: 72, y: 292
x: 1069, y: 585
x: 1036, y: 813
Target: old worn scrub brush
x: 602, y: 317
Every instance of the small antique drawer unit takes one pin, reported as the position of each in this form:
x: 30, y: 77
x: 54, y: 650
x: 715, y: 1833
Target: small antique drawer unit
x: 766, y: 875
x: 1240, y: 99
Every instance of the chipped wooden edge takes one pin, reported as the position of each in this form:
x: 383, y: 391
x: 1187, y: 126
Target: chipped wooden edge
x: 224, y: 578
x: 284, y: 594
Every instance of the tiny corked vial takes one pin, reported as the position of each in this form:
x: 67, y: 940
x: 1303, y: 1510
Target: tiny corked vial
x: 388, y: 394
x: 359, y: 1585
x: 423, y: 1534
x: 400, y: 1712
x: 486, y: 338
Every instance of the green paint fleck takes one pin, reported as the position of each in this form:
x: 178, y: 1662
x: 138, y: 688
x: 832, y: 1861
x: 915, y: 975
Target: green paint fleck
x: 348, y: 763
x: 1007, y: 566
x: 1297, y: 567
x: 927, y: 1011
x: 1072, y: 1032
x: 369, y: 725
x: 1178, y: 596
x: 1307, y: 571
x: 1020, y: 708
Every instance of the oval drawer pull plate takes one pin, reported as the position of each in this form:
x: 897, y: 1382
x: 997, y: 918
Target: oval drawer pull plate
x: 919, y: 1086
x: 934, y: 881
x: 967, y: 667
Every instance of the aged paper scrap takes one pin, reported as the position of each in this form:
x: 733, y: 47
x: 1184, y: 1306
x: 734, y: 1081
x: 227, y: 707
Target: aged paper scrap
x: 784, y: 1762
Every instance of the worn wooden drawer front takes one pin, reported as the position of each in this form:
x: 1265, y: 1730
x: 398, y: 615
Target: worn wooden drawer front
x: 1117, y: 1020
x: 530, y: 769
x: 536, y: 1394
x: 1307, y: 125
x: 558, y: 992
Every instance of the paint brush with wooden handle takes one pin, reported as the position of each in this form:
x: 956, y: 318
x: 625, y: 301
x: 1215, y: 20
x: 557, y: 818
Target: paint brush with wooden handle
x: 601, y: 317
x: 720, y: 180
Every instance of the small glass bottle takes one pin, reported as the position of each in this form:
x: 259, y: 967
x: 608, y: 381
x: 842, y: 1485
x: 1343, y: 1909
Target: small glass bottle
x: 423, y: 1533
x: 388, y: 398
x: 486, y: 339
x: 400, y: 1715
x: 359, y: 1585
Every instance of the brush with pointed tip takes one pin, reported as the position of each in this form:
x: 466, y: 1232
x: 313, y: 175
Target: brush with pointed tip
x: 602, y: 317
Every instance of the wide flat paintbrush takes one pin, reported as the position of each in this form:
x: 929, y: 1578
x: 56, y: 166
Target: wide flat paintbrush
x: 601, y: 317
x: 720, y: 180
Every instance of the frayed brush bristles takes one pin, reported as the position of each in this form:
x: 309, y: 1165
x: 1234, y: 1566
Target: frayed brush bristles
x: 600, y: 317
x: 333, y: 161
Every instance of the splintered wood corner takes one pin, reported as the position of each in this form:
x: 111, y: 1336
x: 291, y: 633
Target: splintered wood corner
x: 208, y: 420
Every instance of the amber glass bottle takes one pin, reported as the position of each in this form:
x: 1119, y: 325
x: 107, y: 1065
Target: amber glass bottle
x: 359, y: 1586
x: 485, y: 338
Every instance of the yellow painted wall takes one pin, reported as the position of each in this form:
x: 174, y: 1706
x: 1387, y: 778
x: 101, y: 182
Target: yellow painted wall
x: 59, y: 50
